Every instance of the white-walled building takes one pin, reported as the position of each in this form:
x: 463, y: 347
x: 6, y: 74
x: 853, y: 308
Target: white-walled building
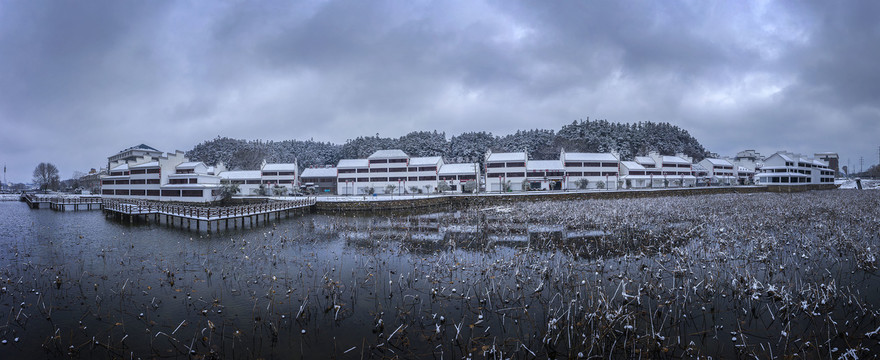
x: 457, y: 175
x: 271, y: 179
x: 505, y: 171
x: 165, y: 178
x: 394, y: 172
x: 634, y: 175
x: 721, y: 171
x: 783, y: 168
x: 544, y: 174
x: 595, y: 168
x: 652, y: 169
x: 248, y: 180
x: 321, y: 180
x: 676, y: 170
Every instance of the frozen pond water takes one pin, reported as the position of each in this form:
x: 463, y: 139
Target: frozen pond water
x: 766, y: 275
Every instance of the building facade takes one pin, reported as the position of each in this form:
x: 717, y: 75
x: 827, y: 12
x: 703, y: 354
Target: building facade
x: 319, y: 180
x: 784, y: 168
x: 395, y: 172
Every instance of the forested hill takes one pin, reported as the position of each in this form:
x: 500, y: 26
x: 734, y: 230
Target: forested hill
x: 580, y: 136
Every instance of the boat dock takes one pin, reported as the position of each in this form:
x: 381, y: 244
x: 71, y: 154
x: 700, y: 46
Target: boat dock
x: 213, y: 217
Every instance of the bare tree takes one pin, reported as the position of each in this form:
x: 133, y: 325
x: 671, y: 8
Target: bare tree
x: 46, y: 176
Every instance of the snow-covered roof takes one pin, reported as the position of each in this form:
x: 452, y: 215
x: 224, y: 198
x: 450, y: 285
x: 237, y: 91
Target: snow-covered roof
x: 427, y: 160
x: 353, y: 163
x: 146, y: 165
x: 698, y: 167
x: 718, y: 162
x: 458, y: 169
x: 545, y: 165
x: 279, y: 167
x: 122, y: 167
x: 318, y: 172
x: 240, y: 175
x: 141, y: 147
x: 784, y: 156
x: 388, y: 154
x: 674, y: 160
x: 632, y: 165
x: 512, y: 156
x: 189, y: 165
x: 589, y: 157
x: 646, y: 160
x: 819, y: 162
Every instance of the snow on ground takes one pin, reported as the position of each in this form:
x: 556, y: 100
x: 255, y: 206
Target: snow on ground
x: 9, y: 197
x: 866, y: 184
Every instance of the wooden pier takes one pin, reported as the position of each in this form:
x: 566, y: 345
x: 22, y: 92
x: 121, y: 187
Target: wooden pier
x: 213, y: 217
x: 61, y: 203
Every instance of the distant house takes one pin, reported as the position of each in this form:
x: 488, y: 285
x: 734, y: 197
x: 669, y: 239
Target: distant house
x: 595, y: 168
x: 544, y: 174
x: 457, y: 175
x: 676, y: 170
x: 652, y: 169
x: 721, y: 171
x: 248, y: 181
x: 394, y: 172
x: 790, y: 169
x: 505, y: 171
x: 634, y: 175
x: 319, y: 180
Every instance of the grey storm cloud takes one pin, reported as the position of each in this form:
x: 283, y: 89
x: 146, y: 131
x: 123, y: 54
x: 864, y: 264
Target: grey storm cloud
x: 92, y: 78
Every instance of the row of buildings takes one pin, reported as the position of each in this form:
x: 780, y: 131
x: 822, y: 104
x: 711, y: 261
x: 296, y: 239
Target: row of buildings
x: 144, y: 172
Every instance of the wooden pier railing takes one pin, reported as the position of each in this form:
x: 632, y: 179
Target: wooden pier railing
x: 140, y: 207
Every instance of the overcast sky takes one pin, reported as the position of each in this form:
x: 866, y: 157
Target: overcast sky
x: 81, y: 80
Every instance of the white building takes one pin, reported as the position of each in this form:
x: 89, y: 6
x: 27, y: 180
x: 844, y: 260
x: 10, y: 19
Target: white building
x: 320, y: 180
x: 166, y: 178
x: 634, y: 175
x: 720, y: 171
x: 599, y: 170
x: 652, y: 170
x: 505, y: 171
x: 676, y: 170
x: 793, y: 169
x: 544, y: 175
x: 394, y: 172
x: 281, y: 179
x: 248, y: 180
x: 457, y: 175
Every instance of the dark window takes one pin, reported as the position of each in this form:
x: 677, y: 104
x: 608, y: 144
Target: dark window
x: 121, y: 182
x: 363, y: 179
x: 427, y: 178
x: 138, y: 172
x: 194, y: 181
x: 153, y: 181
x: 139, y: 192
x: 253, y: 182
x: 516, y: 174
x: 378, y: 170
x: 152, y: 192
x: 270, y: 173
x: 379, y: 161
x: 495, y: 165
x: 191, y: 193
x: 609, y: 164
x: 637, y: 173
x: 592, y: 164
x: 122, y: 192
x: 153, y: 171
x: 574, y: 173
x: 286, y: 173
x: 185, y: 171
x: 574, y: 164
x: 178, y: 181
x: 346, y: 171
x: 591, y: 173
x: 378, y: 179
x: 398, y: 161
x: 467, y: 177
x: 107, y: 192
x: 414, y: 178
x: 427, y: 168
x: 170, y: 192
x: 397, y: 178
x: 107, y: 182
x: 516, y: 164
x: 397, y: 170
x: 554, y: 173
x: 361, y: 171
x: 535, y: 174
x: 138, y: 182
x: 447, y: 177
x: 611, y: 173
